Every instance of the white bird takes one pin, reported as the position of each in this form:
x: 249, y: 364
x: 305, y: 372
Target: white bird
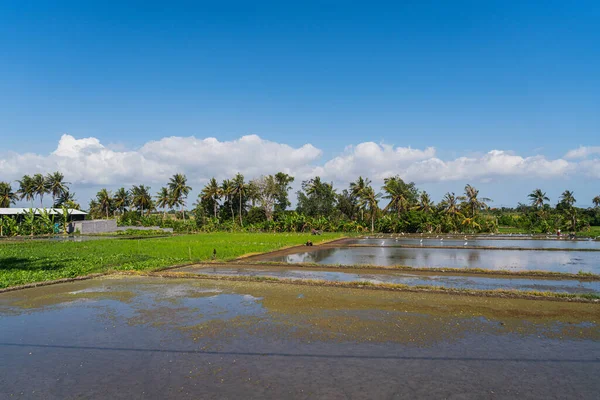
x: 421, y: 241
x: 465, y: 244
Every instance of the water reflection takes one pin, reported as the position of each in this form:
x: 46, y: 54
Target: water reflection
x: 354, y: 275
x: 567, y: 261
x: 550, y: 243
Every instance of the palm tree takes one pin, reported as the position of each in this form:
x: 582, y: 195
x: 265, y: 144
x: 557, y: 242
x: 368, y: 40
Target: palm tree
x: 121, y: 200
x: 105, y: 202
x: 179, y: 191
x: 40, y: 187
x: 370, y: 199
x: 26, y: 189
x: 538, y: 198
x: 425, y: 203
x: 472, y: 202
x: 400, y: 194
x: 450, y: 204
x: 56, y: 185
x: 228, y: 191
x: 567, y: 198
x: 163, y: 200
x: 66, y: 199
x: 596, y: 201
x: 141, y: 198
x: 239, y: 189
x: 7, y: 196
x: 357, y: 188
x: 212, y: 192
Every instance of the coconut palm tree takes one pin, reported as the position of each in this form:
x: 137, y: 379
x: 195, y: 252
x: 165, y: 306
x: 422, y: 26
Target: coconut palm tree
x: 141, y: 198
x: 66, y: 199
x: 212, y: 192
x: 105, y: 201
x: 56, y: 185
x: 7, y: 196
x: 472, y: 202
x: 179, y: 191
x: 425, y: 203
x: 40, y: 187
x: 26, y: 190
x: 239, y: 190
x: 596, y: 201
x: 122, y: 199
x: 537, y: 198
x: 450, y: 204
x: 228, y: 191
x: 400, y: 194
x: 163, y: 200
x: 357, y: 188
x: 567, y: 198
x: 371, y: 200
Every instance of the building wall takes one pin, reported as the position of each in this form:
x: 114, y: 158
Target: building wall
x: 94, y: 226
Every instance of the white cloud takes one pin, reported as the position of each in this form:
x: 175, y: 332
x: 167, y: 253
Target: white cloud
x: 87, y: 162
x: 582, y: 152
x: 494, y: 164
x: 376, y: 161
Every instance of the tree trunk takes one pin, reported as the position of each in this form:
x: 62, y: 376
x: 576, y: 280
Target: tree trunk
x: 241, y: 223
x: 183, y: 212
x: 372, y: 222
x: 215, y: 209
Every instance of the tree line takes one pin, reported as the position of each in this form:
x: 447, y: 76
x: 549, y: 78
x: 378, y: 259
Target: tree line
x: 263, y: 203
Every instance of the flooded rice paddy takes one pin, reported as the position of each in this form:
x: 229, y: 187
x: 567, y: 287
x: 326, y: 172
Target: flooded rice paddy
x: 511, y: 260
x: 402, y: 277
x: 126, y: 337
x: 550, y: 243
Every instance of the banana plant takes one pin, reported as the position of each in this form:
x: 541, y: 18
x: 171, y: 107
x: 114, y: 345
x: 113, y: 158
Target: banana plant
x: 29, y: 219
x: 65, y: 219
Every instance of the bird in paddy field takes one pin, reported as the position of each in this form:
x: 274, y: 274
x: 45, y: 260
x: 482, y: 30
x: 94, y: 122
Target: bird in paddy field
x: 465, y: 244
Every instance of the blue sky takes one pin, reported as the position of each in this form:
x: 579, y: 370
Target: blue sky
x: 462, y: 77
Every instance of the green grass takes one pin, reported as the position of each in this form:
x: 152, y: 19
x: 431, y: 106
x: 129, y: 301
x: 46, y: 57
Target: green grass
x: 41, y: 260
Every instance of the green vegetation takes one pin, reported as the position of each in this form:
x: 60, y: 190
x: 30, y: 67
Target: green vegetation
x: 261, y: 205
x: 41, y: 260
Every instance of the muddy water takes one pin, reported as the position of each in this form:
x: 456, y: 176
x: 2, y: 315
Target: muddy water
x: 153, y: 338
x: 515, y: 260
x: 406, y: 278
x: 481, y: 242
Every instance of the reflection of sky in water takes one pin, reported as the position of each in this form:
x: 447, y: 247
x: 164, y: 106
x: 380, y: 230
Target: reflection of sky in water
x: 453, y: 241
x: 465, y: 282
x: 571, y: 261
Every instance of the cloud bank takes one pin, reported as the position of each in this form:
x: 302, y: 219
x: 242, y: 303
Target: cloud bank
x: 87, y: 162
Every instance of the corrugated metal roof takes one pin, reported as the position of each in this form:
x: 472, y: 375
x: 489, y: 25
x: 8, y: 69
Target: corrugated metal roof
x: 18, y: 211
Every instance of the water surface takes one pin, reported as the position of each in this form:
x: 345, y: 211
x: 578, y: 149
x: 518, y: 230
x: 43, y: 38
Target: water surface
x: 406, y: 278
x: 550, y: 243
x: 155, y: 338
x: 512, y: 260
